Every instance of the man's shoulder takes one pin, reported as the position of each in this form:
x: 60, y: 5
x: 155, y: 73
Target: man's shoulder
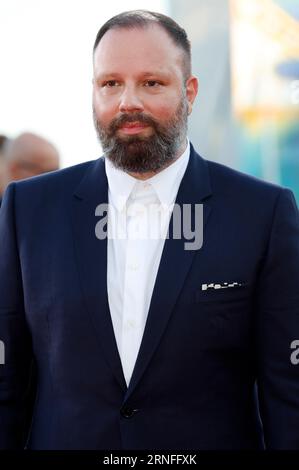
x: 229, y: 181
x: 52, y: 190
x: 66, y: 179
x: 68, y: 174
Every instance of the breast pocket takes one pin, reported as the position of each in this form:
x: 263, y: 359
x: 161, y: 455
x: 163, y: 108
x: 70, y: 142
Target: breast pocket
x: 225, y: 317
x: 224, y: 295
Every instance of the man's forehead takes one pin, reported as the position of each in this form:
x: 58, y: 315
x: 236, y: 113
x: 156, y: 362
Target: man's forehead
x: 150, y: 43
x: 144, y: 31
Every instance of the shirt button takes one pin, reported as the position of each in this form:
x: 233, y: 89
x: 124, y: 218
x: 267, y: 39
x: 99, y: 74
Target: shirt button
x: 130, y: 324
x: 128, y: 412
x: 133, y: 266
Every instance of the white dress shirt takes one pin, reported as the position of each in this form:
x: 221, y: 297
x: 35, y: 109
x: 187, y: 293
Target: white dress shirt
x: 138, y: 220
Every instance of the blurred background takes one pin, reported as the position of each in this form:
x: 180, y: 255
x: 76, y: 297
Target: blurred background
x: 245, y: 54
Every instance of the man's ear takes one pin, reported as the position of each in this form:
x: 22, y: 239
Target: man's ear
x: 191, y: 91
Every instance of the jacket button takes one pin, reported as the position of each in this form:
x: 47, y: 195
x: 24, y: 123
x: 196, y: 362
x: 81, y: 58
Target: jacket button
x: 127, y: 412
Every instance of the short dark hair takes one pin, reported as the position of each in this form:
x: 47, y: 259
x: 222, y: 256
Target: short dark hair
x: 143, y: 18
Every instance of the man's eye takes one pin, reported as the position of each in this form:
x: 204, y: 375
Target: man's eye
x: 152, y: 83
x: 110, y: 83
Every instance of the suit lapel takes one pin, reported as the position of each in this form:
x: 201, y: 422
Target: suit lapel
x: 91, y: 256
x: 174, y: 266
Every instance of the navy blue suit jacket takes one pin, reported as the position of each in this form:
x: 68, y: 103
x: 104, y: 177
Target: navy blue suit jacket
x: 202, y: 353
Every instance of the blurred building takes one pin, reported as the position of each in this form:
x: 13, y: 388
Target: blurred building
x: 246, y: 55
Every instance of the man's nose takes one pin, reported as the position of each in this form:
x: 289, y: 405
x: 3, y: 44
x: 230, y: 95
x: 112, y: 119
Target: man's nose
x: 130, y: 101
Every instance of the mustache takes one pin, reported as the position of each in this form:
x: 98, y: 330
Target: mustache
x: 128, y: 118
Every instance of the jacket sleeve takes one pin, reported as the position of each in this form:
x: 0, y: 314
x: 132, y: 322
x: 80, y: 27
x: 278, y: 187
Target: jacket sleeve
x: 277, y: 323
x: 16, y: 352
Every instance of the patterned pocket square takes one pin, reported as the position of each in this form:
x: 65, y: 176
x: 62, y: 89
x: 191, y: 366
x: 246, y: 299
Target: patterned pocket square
x: 223, y: 285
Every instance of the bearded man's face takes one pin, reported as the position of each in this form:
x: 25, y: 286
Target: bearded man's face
x: 140, y: 98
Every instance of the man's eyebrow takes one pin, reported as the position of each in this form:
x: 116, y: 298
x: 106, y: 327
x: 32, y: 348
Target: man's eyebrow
x: 156, y: 73
x: 105, y: 76
x: 118, y: 76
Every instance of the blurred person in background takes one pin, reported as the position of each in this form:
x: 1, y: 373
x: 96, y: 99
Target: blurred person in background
x: 23, y: 157
x: 149, y: 343
x: 29, y: 155
x: 3, y: 142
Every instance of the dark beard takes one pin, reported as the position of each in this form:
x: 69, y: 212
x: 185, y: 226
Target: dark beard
x: 137, y: 154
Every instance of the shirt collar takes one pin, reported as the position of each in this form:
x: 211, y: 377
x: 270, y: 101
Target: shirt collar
x: 120, y: 185
x: 165, y: 183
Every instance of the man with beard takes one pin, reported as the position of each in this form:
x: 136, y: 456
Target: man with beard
x: 143, y: 342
